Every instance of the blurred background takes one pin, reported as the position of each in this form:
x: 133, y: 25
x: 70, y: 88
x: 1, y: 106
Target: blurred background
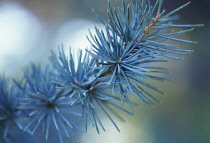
x: 29, y: 29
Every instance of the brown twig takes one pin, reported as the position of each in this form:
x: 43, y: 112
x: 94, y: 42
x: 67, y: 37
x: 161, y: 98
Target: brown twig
x: 152, y: 24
